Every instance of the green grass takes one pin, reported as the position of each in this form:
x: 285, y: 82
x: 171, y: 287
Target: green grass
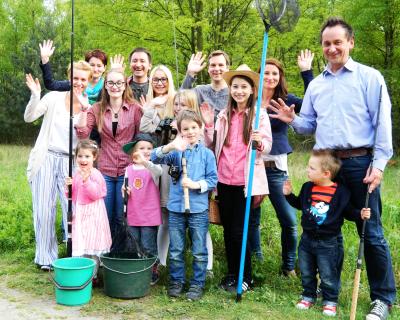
x: 273, y: 298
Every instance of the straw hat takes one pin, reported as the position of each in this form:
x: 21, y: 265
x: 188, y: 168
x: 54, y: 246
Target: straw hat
x: 242, y: 70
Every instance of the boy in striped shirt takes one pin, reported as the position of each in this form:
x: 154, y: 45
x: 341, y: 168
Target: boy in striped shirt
x: 324, y: 205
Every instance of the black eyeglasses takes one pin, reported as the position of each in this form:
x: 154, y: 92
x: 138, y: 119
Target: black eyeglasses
x: 118, y: 84
x: 157, y: 80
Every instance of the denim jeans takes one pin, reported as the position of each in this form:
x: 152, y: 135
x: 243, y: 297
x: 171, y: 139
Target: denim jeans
x: 286, y: 215
x: 376, y: 251
x: 323, y: 256
x: 147, y: 237
x: 254, y: 234
x: 114, y: 201
x: 197, y: 223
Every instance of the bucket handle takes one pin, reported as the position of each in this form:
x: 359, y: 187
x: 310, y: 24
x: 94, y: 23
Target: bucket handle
x: 132, y: 272
x: 83, y: 286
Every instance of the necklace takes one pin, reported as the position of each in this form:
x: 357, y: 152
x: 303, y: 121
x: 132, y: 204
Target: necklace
x: 116, y: 113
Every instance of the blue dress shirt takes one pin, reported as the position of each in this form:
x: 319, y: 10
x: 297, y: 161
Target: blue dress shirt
x: 342, y: 109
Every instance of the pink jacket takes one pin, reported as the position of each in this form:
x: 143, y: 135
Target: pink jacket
x: 93, y: 189
x: 260, y: 183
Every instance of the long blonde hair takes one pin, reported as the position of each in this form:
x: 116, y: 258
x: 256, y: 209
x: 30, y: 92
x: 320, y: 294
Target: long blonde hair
x: 127, y: 97
x: 170, y: 93
x: 190, y: 98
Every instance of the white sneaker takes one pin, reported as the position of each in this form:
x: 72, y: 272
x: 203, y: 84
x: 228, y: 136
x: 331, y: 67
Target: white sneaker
x: 329, y: 310
x: 379, y: 311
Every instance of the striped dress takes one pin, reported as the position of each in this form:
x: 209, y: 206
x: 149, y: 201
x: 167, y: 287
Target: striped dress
x: 90, y: 228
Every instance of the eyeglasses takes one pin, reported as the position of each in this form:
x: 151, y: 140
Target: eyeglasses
x: 157, y: 80
x: 118, y: 84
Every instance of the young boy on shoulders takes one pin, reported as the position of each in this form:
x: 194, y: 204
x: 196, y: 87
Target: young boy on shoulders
x: 201, y: 178
x: 324, y: 205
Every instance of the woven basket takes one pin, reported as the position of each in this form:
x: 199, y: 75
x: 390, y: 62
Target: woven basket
x: 213, y: 212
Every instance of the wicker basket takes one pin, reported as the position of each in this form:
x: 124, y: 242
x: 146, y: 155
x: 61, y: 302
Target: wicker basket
x: 213, y: 212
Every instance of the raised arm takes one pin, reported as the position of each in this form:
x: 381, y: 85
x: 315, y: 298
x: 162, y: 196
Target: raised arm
x: 46, y: 51
x: 196, y: 65
x: 35, y: 107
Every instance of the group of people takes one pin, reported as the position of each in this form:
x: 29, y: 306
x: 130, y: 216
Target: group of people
x: 144, y: 131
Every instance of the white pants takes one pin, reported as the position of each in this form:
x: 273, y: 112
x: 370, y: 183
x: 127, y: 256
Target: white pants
x: 163, y: 242
x: 46, y: 185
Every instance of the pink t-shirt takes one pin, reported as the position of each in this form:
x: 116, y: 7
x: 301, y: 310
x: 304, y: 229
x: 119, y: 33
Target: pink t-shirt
x: 232, y: 160
x: 144, y: 201
x: 87, y: 192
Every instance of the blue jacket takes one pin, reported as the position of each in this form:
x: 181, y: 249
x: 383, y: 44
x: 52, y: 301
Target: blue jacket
x: 201, y: 168
x: 280, y: 142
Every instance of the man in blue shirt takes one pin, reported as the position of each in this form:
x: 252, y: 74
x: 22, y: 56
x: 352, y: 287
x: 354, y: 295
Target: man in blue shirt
x: 341, y: 107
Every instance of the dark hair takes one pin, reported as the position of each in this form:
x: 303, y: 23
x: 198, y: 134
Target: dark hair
x: 248, y: 116
x: 87, y: 144
x: 97, y: 53
x: 337, y: 21
x: 219, y: 53
x: 188, y: 115
x: 140, y: 49
x: 281, y: 90
x: 329, y: 161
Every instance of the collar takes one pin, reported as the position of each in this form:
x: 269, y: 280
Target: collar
x: 125, y: 106
x: 130, y: 80
x: 350, y: 65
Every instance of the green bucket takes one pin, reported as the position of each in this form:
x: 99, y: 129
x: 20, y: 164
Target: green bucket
x: 73, y: 280
x: 126, y: 277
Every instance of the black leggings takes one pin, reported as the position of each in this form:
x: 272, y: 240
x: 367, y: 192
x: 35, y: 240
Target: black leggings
x: 232, y: 206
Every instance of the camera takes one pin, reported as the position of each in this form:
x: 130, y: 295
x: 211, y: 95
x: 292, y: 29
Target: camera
x: 175, y: 173
x: 165, y: 131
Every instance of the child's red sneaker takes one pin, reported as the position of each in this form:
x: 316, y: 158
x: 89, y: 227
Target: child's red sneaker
x: 304, y: 304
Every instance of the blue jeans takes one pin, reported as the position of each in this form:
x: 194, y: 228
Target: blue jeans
x: 197, y: 223
x: 147, y: 237
x: 114, y: 201
x: 323, y: 256
x: 286, y: 215
x: 254, y: 234
x: 377, y: 254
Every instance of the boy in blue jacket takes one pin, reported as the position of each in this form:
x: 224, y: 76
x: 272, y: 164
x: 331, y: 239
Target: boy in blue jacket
x: 201, y: 178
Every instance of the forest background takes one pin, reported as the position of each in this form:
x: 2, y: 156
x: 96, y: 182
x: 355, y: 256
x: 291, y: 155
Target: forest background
x: 172, y: 30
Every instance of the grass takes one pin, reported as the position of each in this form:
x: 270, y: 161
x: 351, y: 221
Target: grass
x: 273, y: 298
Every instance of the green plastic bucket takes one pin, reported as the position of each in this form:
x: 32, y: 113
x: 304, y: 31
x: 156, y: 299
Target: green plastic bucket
x: 73, y: 280
x: 126, y: 277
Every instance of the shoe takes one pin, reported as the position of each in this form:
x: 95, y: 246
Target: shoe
x: 289, y: 273
x: 304, y: 304
x: 379, y: 311
x: 227, y: 282
x: 210, y: 274
x: 46, y: 268
x: 329, y: 310
x: 175, y: 289
x: 155, y: 275
x: 194, y: 293
x: 246, y: 286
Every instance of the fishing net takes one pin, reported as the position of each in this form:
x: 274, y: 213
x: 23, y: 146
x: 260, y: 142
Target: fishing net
x: 280, y: 14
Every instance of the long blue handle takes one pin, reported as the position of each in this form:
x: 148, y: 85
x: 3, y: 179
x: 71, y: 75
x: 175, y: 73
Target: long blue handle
x: 251, y: 171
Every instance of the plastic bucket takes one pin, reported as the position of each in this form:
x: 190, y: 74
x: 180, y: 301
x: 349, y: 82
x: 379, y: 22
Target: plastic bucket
x: 73, y: 280
x: 126, y: 277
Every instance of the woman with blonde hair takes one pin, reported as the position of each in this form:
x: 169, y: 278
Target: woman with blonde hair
x: 117, y: 118
x: 48, y: 160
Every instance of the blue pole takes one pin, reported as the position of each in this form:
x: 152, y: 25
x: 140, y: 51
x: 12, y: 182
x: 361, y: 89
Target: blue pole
x: 251, y: 172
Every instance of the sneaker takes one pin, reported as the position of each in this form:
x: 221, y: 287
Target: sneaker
x: 379, y: 311
x: 175, y: 289
x: 304, y: 304
x: 246, y: 286
x: 155, y: 275
x: 227, y: 282
x: 329, y: 310
x: 289, y: 273
x: 46, y: 267
x: 194, y: 293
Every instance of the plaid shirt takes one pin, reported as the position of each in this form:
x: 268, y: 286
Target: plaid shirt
x: 112, y: 160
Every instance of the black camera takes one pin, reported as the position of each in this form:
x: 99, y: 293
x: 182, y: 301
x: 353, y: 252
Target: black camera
x: 175, y: 173
x: 165, y: 131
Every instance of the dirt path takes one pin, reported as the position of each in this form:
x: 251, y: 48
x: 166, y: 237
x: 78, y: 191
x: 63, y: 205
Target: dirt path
x: 17, y: 305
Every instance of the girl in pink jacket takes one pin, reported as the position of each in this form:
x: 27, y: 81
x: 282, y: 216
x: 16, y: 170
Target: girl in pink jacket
x: 233, y: 139
x: 91, y: 234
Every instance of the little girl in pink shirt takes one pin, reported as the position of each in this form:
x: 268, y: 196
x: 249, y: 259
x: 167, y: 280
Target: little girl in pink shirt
x: 143, y: 208
x: 91, y: 234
